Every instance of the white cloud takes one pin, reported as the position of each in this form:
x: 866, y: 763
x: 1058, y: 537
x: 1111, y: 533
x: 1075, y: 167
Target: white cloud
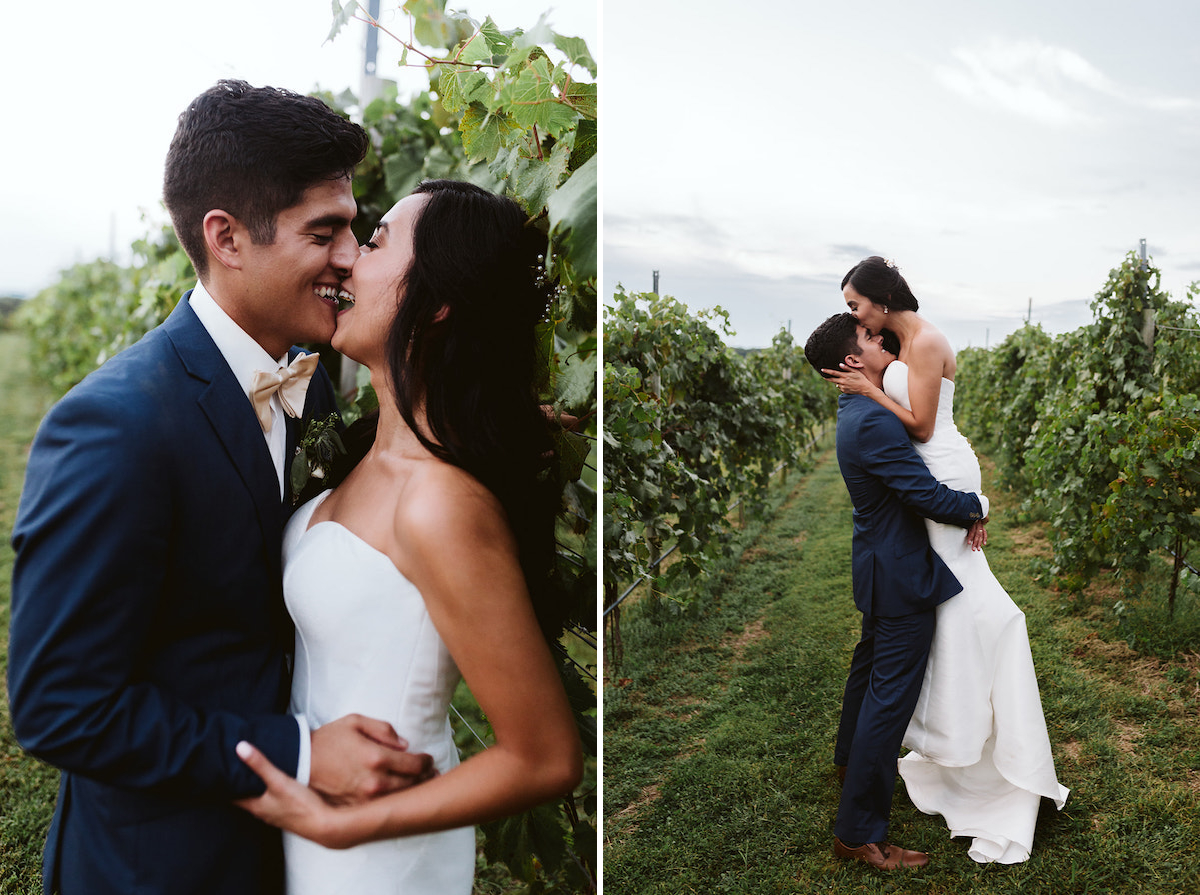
x: 1050, y: 84
x: 1026, y: 78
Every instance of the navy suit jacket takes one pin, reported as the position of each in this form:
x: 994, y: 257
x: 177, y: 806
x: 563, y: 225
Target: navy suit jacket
x: 896, y: 572
x: 148, y: 631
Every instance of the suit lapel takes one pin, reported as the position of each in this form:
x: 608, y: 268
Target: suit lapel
x: 295, y: 431
x: 293, y: 440
x: 221, y: 399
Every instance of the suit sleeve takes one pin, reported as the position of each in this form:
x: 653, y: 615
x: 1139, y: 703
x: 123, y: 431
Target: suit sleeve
x: 92, y: 541
x: 889, y: 454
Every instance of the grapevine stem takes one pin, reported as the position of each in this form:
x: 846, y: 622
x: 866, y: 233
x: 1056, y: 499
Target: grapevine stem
x: 411, y: 45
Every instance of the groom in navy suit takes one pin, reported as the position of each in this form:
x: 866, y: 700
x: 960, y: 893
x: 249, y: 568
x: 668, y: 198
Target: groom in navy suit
x: 148, y: 632
x: 898, y: 581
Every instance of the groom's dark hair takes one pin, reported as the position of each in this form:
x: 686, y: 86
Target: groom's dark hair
x: 831, y: 342
x: 252, y: 151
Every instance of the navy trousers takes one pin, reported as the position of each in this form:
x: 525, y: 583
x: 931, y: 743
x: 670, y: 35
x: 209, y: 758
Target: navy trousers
x: 881, y: 693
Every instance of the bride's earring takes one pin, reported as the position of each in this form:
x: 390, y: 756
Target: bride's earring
x: 885, y: 309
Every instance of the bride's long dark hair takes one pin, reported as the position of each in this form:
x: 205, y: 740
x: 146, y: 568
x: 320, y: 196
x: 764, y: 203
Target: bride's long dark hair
x: 463, y: 348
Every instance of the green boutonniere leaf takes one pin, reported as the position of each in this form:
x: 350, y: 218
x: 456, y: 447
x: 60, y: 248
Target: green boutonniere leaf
x: 315, y: 454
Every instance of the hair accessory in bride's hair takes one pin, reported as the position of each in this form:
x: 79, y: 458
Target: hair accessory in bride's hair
x: 892, y: 264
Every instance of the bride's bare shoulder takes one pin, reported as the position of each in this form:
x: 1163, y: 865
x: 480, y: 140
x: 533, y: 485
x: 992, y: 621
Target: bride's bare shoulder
x: 932, y: 340
x: 930, y: 345
x: 445, y: 504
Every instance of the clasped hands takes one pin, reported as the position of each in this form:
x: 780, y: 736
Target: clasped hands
x: 354, y: 759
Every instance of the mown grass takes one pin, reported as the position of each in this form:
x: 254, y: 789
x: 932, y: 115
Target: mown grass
x: 719, y: 726
x: 27, y: 787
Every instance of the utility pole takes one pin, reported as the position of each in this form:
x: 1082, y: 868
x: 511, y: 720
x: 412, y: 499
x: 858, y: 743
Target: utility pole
x: 370, y: 86
x: 655, y: 289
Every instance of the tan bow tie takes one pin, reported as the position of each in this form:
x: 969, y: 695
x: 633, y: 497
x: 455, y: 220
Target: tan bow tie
x: 292, y: 384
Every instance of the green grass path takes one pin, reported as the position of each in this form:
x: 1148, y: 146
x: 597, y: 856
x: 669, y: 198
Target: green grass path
x: 27, y: 787
x: 719, y: 726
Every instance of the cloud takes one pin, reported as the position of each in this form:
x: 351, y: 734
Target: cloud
x: 851, y: 251
x: 1049, y: 84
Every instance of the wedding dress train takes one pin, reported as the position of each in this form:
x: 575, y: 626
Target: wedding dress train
x: 980, y: 755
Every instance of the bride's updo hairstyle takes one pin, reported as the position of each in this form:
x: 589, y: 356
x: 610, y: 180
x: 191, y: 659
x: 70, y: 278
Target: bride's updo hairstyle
x: 463, y: 348
x: 880, y: 281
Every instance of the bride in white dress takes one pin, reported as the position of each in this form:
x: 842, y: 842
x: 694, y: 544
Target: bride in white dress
x: 431, y: 557
x: 980, y: 755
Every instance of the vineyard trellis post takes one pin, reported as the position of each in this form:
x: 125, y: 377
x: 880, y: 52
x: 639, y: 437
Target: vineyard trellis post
x: 1148, y: 315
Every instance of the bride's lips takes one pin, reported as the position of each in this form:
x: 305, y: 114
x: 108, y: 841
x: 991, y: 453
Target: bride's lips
x: 334, y: 296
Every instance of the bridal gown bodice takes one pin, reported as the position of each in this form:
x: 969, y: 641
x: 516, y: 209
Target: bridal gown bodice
x: 365, y: 644
x: 980, y: 752
x: 947, y: 453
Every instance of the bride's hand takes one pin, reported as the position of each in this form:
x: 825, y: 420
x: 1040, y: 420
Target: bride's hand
x: 849, y: 382
x: 287, y: 804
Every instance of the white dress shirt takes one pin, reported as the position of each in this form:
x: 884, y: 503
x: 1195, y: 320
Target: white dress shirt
x: 245, y: 356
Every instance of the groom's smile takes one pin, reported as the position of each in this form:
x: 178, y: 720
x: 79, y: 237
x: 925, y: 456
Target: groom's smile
x: 297, y: 278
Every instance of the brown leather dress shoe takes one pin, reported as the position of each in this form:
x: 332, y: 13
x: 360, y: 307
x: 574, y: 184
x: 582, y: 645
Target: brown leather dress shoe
x: 881, y: 855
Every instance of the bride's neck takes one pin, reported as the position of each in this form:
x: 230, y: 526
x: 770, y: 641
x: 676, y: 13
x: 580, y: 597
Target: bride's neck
x: 394, y: 435
x: 905, y: 325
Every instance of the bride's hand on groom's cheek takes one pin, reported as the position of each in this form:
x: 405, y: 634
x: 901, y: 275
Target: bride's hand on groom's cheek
x: 356, y: 758
x: 849, y: 382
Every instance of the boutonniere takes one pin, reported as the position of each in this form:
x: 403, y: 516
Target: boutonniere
x: 315, y: 454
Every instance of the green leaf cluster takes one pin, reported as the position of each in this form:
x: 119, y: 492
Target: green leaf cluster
x: 1100, y: 425
x: 691, y: 426
x: 530, y: 117
x: 98, y: 308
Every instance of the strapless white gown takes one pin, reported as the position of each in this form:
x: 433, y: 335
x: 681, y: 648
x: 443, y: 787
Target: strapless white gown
x: 365, y: 643
x: 980, y: 752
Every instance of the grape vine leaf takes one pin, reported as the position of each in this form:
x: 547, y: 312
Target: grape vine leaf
x: 581, y: 97
x: 484, y: 134
x: 536, y: 36
x: 532, y: 101
x: 434, y: 27
x: 576, y: 51
x: 537, y: 180
x: 341, y: 15
x: 586, y: 143
x: 461, y: 85
x: 573, y: 215
x: 515, y: 840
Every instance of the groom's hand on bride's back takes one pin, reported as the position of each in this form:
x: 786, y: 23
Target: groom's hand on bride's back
x: 977, y: 533
x: 356, y: 758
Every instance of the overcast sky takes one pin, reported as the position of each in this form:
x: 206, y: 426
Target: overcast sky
x: 92, y: 92
x: 997, y: 151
